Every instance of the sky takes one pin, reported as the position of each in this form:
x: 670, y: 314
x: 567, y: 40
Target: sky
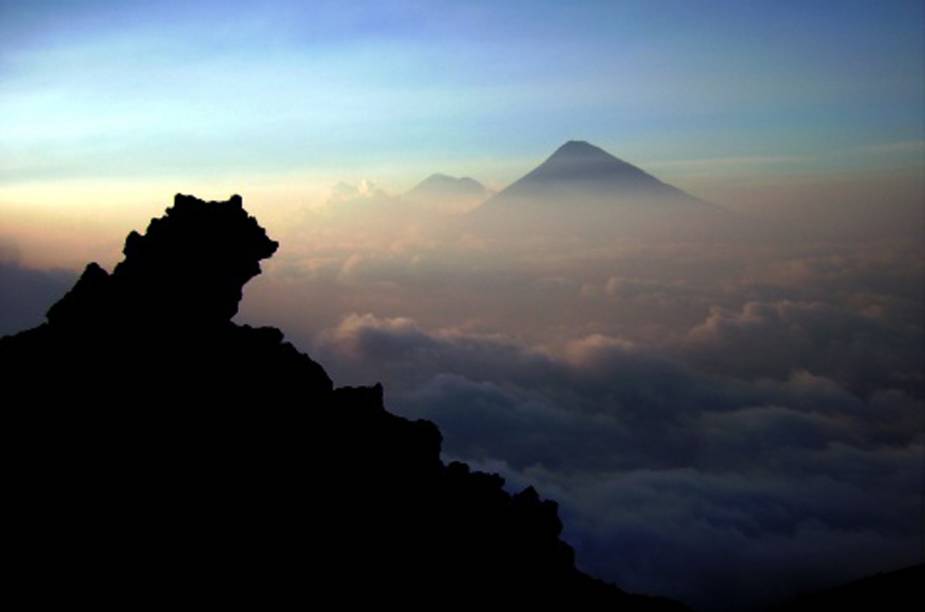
x: 724, y: 418
x: 108, y: 108
x: 397, y: 90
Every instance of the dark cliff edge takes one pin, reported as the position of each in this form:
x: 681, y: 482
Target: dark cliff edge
x: 159, y: 453
x: 898, y: 591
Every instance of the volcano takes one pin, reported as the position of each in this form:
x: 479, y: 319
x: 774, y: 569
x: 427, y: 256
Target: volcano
x: 442, y: 184
x: 444, y: 193
x: 580, y: 169
x: 584, y: 189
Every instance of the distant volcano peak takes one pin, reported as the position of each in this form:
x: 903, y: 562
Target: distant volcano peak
x: 580, y: 164
x: 448, y: 193
x: 445, y: 180
x: 608, y: 191
x: 438, y: 177
x: 581, y: 148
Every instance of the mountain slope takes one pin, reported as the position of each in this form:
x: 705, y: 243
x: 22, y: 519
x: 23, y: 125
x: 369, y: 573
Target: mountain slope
x: 580, y: 169
x: 898, y: 590
x: 158, y: 452
x: 443, y: 193
x: 442, y: 184
x: 585, y: 193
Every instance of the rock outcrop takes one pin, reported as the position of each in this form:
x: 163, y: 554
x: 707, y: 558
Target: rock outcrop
x: 160, y: 453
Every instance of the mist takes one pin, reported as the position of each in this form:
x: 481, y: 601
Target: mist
x: 726, y: 399
x: 729, y: 416
x: 702, y: 335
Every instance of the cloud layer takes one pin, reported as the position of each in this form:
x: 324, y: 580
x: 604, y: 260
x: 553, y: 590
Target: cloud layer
x: 27, y: 293
x: 716, y: 488
x: 724, y: 421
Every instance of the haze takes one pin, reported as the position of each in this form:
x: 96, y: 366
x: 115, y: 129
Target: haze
x: 681, y: 288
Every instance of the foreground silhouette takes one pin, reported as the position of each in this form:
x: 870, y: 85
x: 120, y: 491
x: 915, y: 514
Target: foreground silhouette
x: 161, y: 453
x: 898, y: 591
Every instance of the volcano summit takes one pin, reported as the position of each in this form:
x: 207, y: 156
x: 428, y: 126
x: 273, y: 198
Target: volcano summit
x: 584, y: 190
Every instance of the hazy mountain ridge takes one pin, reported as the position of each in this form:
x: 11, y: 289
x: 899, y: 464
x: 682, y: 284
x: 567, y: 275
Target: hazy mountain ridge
x: 578, y: 166
x: 584, y: 192
x: 579, y: 193
x: 578, y: 169
x: 443, y: 184
x: 162, y: 449
x: 444, y: 194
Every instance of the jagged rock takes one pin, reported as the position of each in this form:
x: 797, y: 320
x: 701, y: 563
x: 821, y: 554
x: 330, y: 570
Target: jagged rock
x: 159, y: 453
x: 898, y: 591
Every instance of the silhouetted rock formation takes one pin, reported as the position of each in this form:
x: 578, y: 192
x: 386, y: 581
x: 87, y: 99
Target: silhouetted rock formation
x: 895, y: 591
x: 161, y: 453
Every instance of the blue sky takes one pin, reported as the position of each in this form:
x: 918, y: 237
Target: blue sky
x: 397, y: 89
x: 750, y: 399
